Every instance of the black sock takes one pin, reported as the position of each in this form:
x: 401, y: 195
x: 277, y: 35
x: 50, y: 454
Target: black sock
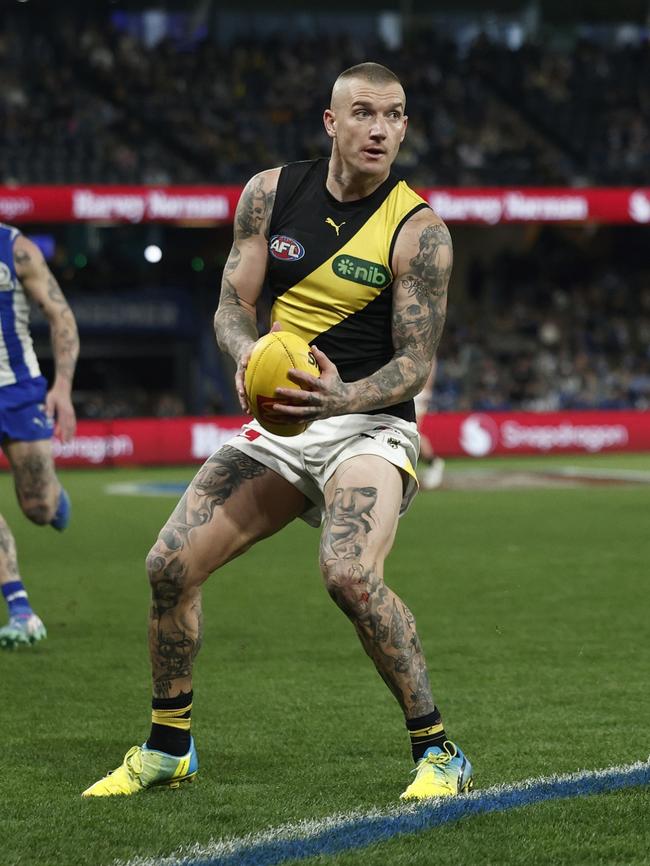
x: 170, y: 724
x: 426, y: 731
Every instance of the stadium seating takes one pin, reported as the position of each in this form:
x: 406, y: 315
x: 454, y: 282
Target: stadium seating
x: 116, y: 110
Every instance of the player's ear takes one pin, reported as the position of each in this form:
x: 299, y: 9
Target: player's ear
x: 329, y: 121
x: 406, y: 122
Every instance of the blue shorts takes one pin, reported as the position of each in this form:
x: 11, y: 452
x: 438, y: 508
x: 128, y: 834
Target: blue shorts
x: 22, y: 411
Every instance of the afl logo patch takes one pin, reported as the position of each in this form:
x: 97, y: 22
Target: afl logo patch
x: 286, y: 249
x: 6, y: 282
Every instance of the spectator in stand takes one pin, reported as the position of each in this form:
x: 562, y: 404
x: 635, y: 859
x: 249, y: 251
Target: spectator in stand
x: 119, y: 110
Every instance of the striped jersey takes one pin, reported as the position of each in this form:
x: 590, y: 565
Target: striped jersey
x: 18, y: 361
x: 329, y: 268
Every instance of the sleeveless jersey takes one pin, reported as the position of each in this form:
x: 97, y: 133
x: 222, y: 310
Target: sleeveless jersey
x: 329, y: 269
x: 18, y: 361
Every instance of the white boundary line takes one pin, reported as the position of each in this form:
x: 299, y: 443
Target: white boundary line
x: 328, y: 835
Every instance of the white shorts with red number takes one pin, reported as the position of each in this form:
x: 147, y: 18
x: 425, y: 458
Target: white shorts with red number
x: 309, y: 459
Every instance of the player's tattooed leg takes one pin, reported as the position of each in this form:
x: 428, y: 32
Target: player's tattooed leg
x: 8, y: 559
x: 36, y: 487
x: 386, y: 627
x: 182, y: 559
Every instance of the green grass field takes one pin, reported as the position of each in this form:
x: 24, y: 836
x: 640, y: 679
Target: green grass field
x: 532, y: 606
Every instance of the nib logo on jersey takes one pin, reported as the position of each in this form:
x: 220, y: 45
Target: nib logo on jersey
x: 286, y: 249
x: 360, y: 271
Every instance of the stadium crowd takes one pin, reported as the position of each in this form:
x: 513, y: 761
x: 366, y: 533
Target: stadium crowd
x: 547, y: 330
x: 553, y: 326
x: 91, y: 103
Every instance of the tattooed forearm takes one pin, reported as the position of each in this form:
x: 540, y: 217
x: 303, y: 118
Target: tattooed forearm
x: 65, y: 337
x: 234, y: 260
x: 234, y: 323
x: 419, y: 311
x: 63, y: 331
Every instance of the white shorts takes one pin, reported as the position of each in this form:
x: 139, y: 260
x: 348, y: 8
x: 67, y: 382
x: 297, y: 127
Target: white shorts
x: 309, y: 459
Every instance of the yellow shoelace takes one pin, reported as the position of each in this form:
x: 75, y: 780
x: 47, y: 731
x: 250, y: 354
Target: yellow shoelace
x: 439, y: 760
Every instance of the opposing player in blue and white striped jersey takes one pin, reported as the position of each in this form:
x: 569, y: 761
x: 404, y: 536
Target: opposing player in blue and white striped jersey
x: 29, y: 413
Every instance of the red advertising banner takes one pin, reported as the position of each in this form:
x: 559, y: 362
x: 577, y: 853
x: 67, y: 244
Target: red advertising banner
x: 118, y: 204
x: 157, y: 442
x: 144, y: 441
x: 544, y: 204
x: 216, y: 204
x: 482, y: 434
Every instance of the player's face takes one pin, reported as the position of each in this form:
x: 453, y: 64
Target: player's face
x: 368, y: 123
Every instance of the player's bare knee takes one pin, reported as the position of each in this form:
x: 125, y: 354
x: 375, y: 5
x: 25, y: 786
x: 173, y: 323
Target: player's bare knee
x: 164, y: 568
x: 349, y: 584
x: 171, y: 575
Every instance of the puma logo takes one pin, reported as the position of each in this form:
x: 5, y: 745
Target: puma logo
x: 330, y: 222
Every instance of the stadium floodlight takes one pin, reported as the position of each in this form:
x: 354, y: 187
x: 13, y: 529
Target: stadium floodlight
x: 153, y: 253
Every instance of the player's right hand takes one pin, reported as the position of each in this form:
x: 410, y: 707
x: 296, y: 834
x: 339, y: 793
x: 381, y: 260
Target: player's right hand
x: 240, y: 375
x: 239, y: 381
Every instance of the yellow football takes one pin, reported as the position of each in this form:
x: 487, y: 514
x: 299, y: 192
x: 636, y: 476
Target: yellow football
x: 272, y: 357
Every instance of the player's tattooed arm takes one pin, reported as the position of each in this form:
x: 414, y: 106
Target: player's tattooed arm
x: 419, y: 311
x: 235, y: 321
x: 42, y: 288
x: 65, y: 338
x: 255, y: 207
x: 422, y: 267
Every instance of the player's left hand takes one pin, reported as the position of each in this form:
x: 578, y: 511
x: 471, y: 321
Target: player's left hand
x: 58, y: 406
x: 317, y: 397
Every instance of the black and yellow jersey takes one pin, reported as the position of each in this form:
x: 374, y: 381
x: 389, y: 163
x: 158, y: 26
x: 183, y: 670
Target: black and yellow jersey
x: 330, y: 271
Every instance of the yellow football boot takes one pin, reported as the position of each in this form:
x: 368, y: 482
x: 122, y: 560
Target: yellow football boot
x: 440, y: 773
x: 145, y: 768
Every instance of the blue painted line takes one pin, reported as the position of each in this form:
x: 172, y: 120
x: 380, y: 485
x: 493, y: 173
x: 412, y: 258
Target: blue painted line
x: 162, y: 487
x: 351, y: 834
x: 135, y: 488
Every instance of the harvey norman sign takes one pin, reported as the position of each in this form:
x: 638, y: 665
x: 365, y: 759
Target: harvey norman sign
x: 216, y: 204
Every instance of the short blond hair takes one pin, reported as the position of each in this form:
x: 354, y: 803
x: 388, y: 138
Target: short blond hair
x: 373, y: 73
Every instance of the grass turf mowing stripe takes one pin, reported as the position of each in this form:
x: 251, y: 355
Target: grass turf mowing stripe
x: 339, y: 833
